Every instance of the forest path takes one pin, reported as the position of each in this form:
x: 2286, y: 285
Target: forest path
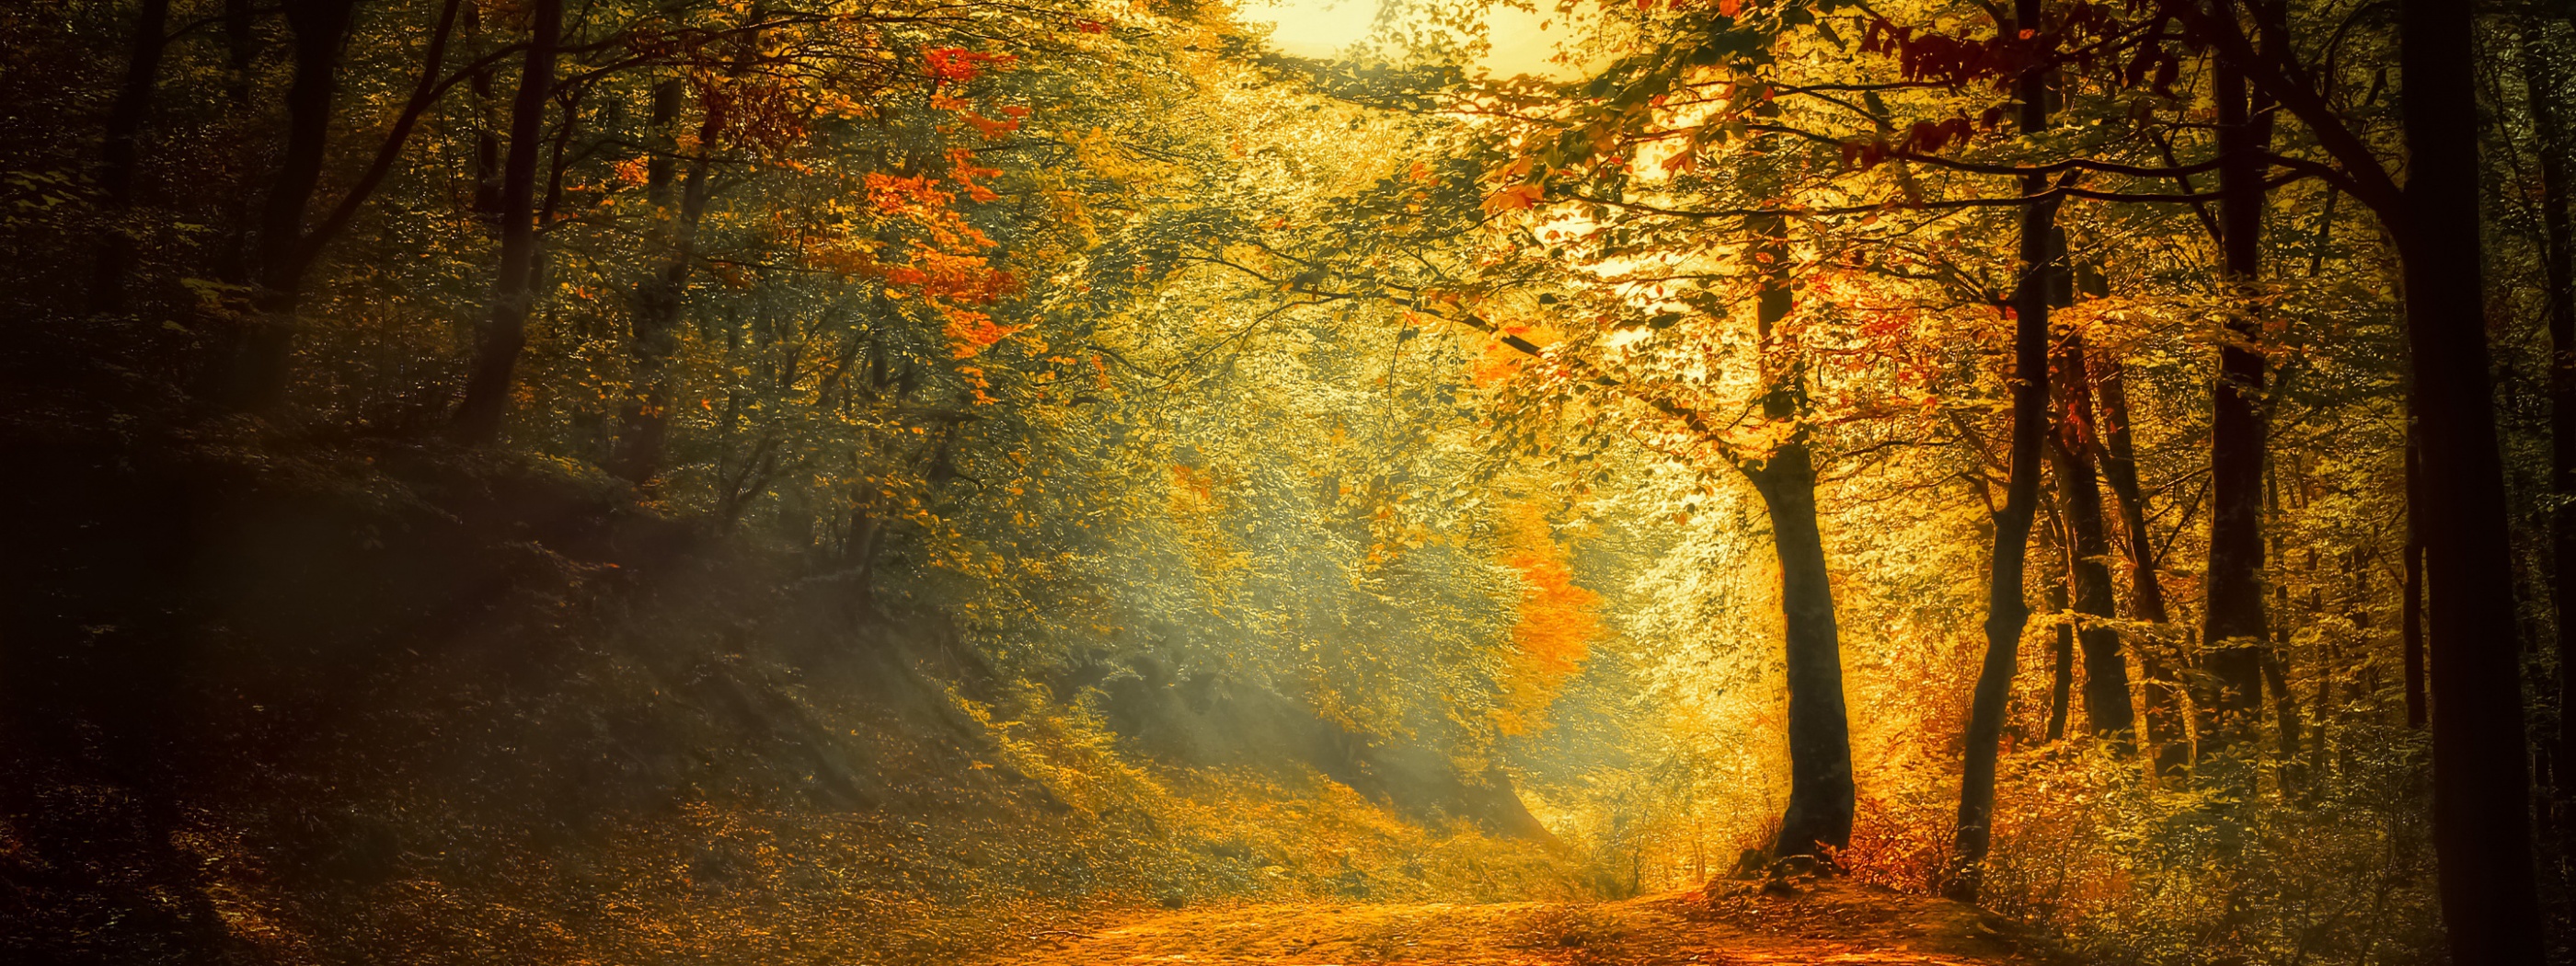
x: 1831, y: 922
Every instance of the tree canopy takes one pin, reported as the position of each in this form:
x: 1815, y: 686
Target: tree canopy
x: 593, y: 476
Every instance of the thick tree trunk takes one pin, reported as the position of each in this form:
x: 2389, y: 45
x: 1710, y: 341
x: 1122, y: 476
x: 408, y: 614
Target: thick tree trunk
x: 1820, y: 772
x: 1820, y: 768
x: 2233, y: 627
x: 505, y: 332
x: 2106, y: 671
x: 2481, y: 781
x: 121, y: 150
x: 250, y: 371
x: 2162, y: 705
x: 2006, y: 612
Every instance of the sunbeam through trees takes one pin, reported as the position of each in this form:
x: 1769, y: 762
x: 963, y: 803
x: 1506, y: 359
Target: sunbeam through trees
x: 1442, y: 481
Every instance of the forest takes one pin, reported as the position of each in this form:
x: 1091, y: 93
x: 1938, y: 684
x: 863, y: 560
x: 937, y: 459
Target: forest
x: 731, y: 482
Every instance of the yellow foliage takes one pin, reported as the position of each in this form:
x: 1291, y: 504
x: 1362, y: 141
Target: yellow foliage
x: 1559, y: 620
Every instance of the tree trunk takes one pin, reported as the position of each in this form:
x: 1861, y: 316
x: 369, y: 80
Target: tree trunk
x: 487, y: 135
x: 1820, y: 768
x: 661, y: 147
x: 2481, y: 782
x: 496, y: 352
x: 2006, y: 612
x: 2411, y: 612
x: 424, y: 94
x: 2106, y: 671
x: 1820, y: 773
x: 2163, y: 707
x: 121, y: 150
x: 321, y: 29
x: 2061, y: 655
x: 2546, y: 94
x: 2285, y: 714
x: 240, y: 51
x: 645, y: 423
x: 2233, y: 626
x: 2276, y: 664
x: 250, y: 373
x: 559, y: 158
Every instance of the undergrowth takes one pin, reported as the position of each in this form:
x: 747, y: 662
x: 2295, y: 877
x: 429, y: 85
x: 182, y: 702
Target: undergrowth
x: 2312, y: 861
x: 679, y: 753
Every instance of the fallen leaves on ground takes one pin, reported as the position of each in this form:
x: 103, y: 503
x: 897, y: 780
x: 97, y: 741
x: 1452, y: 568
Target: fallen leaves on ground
x: 1729, y: 924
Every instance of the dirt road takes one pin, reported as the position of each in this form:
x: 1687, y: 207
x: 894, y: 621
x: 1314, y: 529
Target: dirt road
x: 1823, y: 923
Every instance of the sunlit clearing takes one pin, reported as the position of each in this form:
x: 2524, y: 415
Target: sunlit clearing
x: 1519, y: 41
x: 1314, y: 28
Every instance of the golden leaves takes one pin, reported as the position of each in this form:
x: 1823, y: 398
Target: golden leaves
x: 1559, y: 620
x: 1514, y: 197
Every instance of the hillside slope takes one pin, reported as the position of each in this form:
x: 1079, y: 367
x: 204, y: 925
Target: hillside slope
x: 290, y: 700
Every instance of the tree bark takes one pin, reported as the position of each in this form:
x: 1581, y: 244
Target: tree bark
x: 2481, y: 781
x: 424, y: 93
x: 1820, y: 769
x: 2061, y: 654
x: 486, y: 170
x: 2006, y: 612
x: 250, y: 370
x: 661, y: 148
x: 560, y: 157
x: 121, y: 150
x: 2411, y: 612
x: 2285, y: 714
x: 2233, y: 626
x: 2162, y: 705
x: 2545, y: 92
x: 2107, y: 709
x: 2276, y: 663
x: 240, y: 51
x: 645, y: 422
x: 321, y: 29
x: 505, y: 332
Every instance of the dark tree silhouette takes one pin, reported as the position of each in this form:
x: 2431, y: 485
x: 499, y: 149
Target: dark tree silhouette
x: 2006, y: 611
